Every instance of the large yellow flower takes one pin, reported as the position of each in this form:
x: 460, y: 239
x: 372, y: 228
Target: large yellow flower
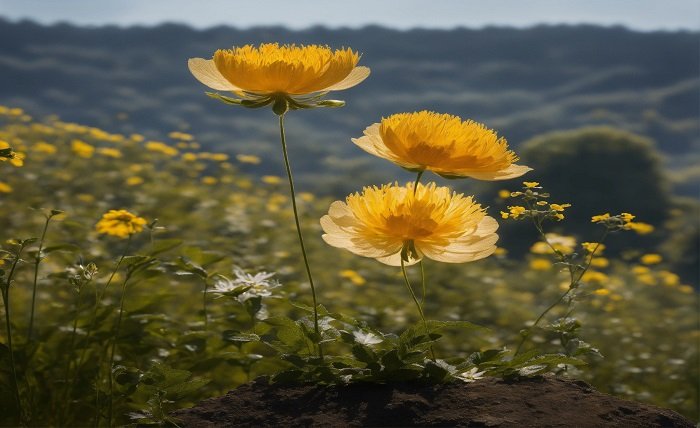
x: 271, y: 69
x: 392, y: 222
x: 441, y: 143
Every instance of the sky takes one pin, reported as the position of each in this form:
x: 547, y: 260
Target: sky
x: 643, y: 15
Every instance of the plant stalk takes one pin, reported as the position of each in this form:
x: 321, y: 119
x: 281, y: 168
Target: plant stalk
x: 37, y: 262
x: 415, y: 300
x: 298, y: 225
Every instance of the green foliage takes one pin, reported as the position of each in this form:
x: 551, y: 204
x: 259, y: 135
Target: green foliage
x: 200, y: 317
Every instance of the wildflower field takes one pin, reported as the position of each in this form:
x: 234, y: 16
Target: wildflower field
x: 141, y: 276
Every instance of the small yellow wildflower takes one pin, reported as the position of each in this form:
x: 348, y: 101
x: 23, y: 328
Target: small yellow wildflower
x: 110, y: 152
x: 134, y: 181
x: 640, y: 270
x: 515, y: 211
x: 5, y: 188
x: 208, y: 180
x: 353, y: 276
x: 600, y: 262
x: 120, y: 223
x: 687, y: 289
x: 627, y: 217
x: 219, y: 157
x: 44, y: 147
x: 159, y: 147
x: 189, y: 157
x: 601, y: 292
x: 540, y: 264
x: 593, y: 246
x: 559, y: 216
x: 541, y: 203
x: 441, y: 143
x: 558, y: 207
x: 647, y: 279
x: 175, y: 135
x: 251, y: 159
x: 136, y: 138
x: 651, y: 259
x: 271, y: 179
x: 531, y: 184
x: 82, y: 149
x: 669, y: 279
x: 639, y: 227
x: 306, y: 196
x: 594, y: 276
x: 600, y: 218
x: 504, y: 194
x: 500, y: 251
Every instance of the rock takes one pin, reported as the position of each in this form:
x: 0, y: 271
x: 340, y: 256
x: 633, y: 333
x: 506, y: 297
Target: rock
x: 489, y: 402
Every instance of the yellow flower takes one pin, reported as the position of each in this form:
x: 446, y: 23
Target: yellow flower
x: 353, y: 276
x: 600, y: 262
x: 669, y: 279
x: 600, y: 218
x: 175, y: 135
x: 650, y: 259
x: 563, y: 244
x: 159, y: 147
x: 110, y: 152
x: 271, y: 179
x: 209, y: 180
x: 134, y: 181
x: 504, y: 194
x: 391, y: 223
x: 557, y: 207
x: 441, y: 143
x: 120, y: 223
x: 531, y: 184
x: 601, y: 292
x: 189, y: 157
x: 594, y: 276
x: 5, y: 188
x: 540, y: 264
x: 270, y: 70
x: 43, y: 147
x: 513, y: 212
x: 593, y: 246
x: 639, y: 227
x: 82, y: 149
x: 251, y: 159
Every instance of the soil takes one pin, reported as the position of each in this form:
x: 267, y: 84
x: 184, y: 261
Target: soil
x: 489, y: 402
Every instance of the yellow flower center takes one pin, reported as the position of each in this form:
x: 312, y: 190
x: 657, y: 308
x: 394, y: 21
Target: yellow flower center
x: 288, y: 69
x: 393, y: 213
x: 445, y: 142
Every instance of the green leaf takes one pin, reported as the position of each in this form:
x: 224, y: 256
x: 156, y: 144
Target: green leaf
x: 238, y: 337
x: 68, y: 248
x: 163, y: 246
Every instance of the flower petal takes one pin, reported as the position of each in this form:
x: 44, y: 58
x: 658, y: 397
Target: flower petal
x: 206, y: 72
x: 357, y: 75
x: 513, y: 171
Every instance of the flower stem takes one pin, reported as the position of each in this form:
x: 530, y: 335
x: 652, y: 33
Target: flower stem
x: 415, y: 300
x: 37, y: 262
x: 301, y: 238
x: 8, y: 326
x: 572, y: 285
x: 114, y: 345
x: 418, y: 177
x: 204, y: 304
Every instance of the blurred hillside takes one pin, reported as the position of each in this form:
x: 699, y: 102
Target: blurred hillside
x: 521, y: 82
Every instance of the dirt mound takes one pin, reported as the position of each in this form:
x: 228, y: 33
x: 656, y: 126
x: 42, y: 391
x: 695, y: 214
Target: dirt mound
x: 535, y: 402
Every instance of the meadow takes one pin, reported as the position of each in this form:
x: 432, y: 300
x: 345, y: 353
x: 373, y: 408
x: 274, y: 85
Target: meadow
x: 123, y: 329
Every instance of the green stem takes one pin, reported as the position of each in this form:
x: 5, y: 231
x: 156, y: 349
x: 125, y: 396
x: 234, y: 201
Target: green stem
x: 301, y: 238
x: 415, y: 300
x: 566, y: 293
x: 114, y: 346
x: 422, y: 282
x: 91, y: 326
x: 204, y: 304
x: 415, y: 185
x: 37, y: 262
x: 8, y: 326
x: 69, y: 386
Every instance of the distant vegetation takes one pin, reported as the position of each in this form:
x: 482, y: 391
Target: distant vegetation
x: 520, y: 82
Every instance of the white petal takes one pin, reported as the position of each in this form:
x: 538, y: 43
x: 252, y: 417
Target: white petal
x: 206, y: 72
x: 357, y: 75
